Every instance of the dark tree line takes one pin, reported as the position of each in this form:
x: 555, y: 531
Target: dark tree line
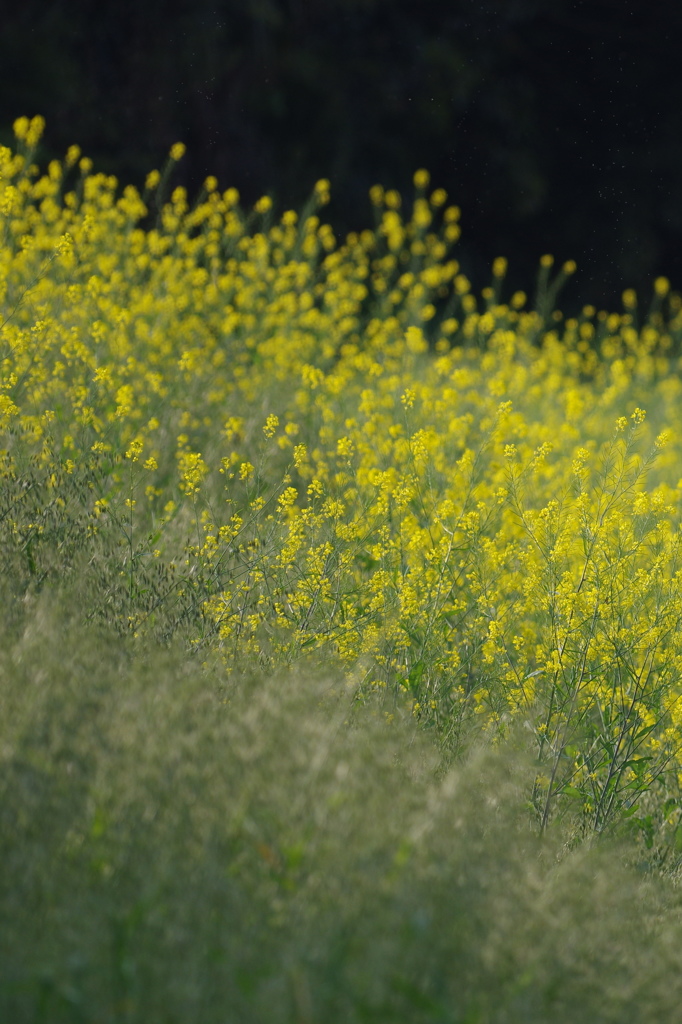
x: 555, y: 124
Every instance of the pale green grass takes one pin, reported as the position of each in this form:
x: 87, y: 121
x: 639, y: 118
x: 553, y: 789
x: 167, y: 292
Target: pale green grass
x: 181, y: 846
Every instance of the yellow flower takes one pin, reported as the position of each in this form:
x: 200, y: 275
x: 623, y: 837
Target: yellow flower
x: 271, y: 424
x: 134, y: 450
x: 20, y: 127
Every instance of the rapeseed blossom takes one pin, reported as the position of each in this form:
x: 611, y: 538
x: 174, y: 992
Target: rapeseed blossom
x: 337, y: 447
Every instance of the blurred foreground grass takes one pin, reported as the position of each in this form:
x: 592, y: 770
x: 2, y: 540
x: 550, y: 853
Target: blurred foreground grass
x: 175, y: 846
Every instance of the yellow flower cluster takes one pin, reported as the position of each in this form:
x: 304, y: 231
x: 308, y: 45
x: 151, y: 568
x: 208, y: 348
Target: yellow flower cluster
x: 339, y: 447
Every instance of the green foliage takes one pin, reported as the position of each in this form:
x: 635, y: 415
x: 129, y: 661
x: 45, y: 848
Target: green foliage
x: 181, y: 845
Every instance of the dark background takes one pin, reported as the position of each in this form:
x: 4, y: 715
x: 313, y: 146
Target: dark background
x: 556, y: 125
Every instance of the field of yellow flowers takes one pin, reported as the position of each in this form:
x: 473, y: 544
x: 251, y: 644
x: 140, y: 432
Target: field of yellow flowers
x: 322, y: 576
x: 242, y: 432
